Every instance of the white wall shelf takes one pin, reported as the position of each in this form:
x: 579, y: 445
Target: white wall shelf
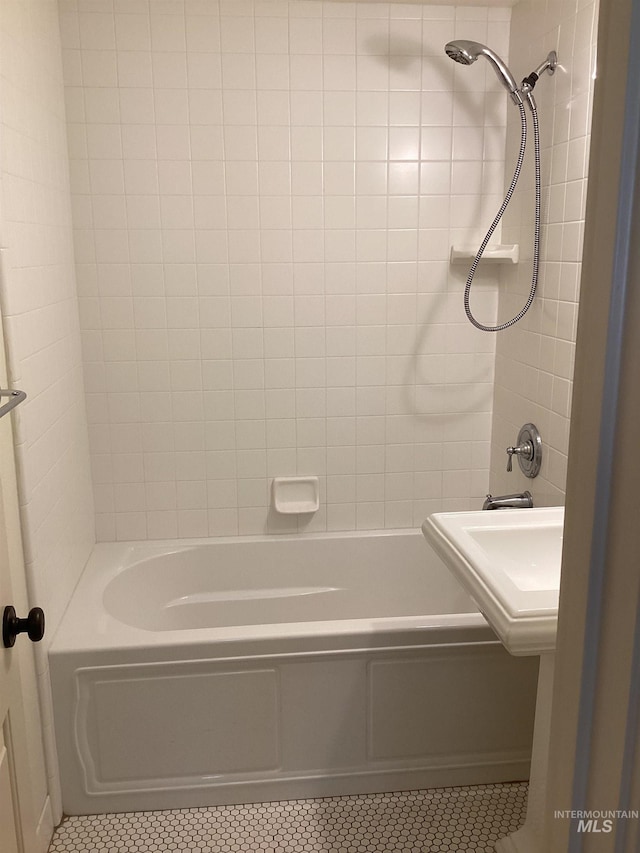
x: 499, y: 254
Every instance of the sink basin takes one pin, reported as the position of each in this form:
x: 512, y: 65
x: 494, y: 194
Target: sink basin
x: 509, y: 562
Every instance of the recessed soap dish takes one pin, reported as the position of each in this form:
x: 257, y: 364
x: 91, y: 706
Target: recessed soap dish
x: 295, y: 495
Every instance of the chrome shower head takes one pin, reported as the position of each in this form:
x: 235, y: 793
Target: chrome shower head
x: 466, y: 52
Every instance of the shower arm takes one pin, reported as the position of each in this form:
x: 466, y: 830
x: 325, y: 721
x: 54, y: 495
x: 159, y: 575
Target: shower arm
x: 549, y: 65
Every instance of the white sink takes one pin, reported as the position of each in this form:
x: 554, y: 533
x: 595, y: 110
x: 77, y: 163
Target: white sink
x: 508, y: 560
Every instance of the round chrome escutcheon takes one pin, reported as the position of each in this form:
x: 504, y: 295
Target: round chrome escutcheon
x: 530, y: 462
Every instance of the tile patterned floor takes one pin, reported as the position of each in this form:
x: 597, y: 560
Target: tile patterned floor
x: 443, y: 820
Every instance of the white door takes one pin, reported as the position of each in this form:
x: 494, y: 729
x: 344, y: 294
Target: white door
x: 24, y: 825
x: 10, y: 821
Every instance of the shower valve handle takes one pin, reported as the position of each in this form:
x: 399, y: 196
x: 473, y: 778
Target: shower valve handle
x: 525, y: 450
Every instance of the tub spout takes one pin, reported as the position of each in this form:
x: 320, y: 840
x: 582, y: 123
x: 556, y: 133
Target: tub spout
x: 519, y: 501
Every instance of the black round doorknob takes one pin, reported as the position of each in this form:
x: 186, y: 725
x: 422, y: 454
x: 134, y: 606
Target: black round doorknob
x: 32, y: 626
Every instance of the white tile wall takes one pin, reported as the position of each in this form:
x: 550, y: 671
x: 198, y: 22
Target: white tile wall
x: 40, y: 316
x: 39, y: 306
x: 264, y: 198
x: 534, y: 360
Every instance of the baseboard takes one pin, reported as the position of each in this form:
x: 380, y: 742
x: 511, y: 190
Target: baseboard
x: 521, y: 841
x: 45, y: 827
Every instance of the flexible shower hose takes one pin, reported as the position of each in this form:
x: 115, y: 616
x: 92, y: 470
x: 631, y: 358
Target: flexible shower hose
x: 499, y: 215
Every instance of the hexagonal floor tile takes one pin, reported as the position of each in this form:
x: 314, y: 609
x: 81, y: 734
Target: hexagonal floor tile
x: 446, y: 820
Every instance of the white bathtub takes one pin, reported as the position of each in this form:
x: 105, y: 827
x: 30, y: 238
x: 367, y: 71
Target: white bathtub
x: 203, y: 672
